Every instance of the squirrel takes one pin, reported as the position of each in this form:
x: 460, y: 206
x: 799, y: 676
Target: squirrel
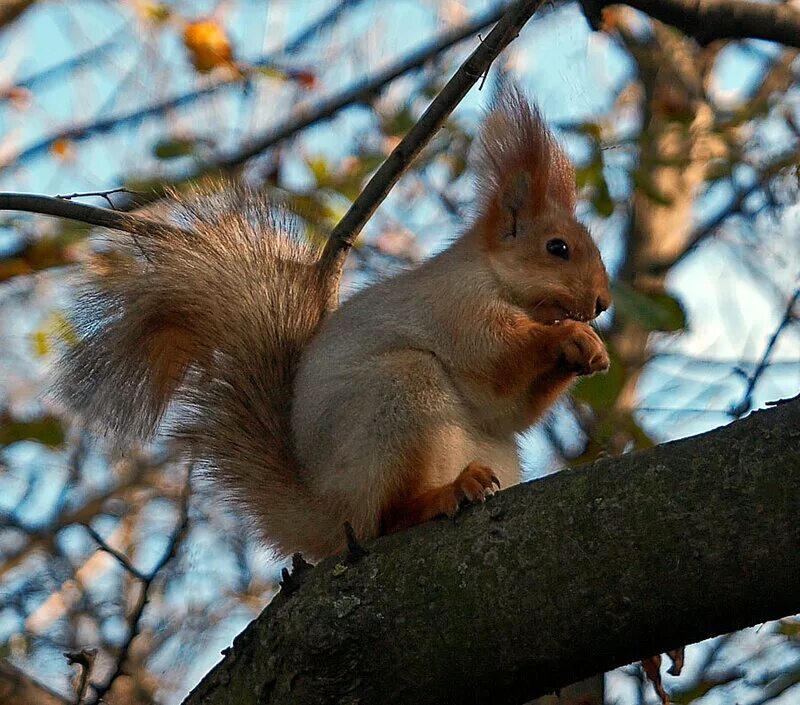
x: 394, y: 408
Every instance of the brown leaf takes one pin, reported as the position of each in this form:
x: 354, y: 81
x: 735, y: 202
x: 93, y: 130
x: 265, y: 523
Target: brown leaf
x: 208, y: 45
x: 306, y: 79
x: 61, y: 148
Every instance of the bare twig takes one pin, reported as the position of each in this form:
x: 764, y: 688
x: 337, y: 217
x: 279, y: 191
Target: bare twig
x: 341, y: 239
x: 734, y: 206
x: 365, y: 91
x: 122, y: 559
x: 85, y: 660
x: 360, y: 92
x: 146, y: 581
x: 100, y: 194
x: 89, y: 57
x: 746, y: 403
x: 98, y: 126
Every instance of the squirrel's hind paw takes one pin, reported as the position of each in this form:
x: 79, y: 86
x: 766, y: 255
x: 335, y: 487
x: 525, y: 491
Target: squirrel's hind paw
x: 475, y: 483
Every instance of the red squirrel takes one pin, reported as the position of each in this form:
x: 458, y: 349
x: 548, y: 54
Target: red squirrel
x: 384, y: 413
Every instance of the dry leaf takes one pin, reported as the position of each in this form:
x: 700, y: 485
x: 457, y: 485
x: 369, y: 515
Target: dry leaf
x: 208, y: 45
x: 306, y: 79
x: 61, y: 149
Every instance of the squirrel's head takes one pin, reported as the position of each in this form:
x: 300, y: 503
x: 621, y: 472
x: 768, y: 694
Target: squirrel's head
x: 544, y: 259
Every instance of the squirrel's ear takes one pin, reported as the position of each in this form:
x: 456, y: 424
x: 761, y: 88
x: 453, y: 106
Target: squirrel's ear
x: 519, y: 161
x: 516, y: 191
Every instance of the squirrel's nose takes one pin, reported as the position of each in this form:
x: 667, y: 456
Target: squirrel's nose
x: 601, y: 305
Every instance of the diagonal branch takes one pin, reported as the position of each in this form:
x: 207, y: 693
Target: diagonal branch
x: 546, y: 583
x: 365, y: 91
x: 100, y: 690
x: 478, y: 63
x: 512, y: 18
x: 746, y: 402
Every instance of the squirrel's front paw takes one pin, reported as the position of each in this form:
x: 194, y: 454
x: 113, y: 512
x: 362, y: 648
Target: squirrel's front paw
x: 582, y: 351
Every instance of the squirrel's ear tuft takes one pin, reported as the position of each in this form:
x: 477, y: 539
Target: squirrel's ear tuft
x: 516, y: 147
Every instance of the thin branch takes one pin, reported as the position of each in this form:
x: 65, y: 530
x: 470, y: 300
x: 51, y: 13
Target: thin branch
x: 359, y: 93
x: 146, y: 581
x: 90, y: 57
x: 746, y: 403
x: 478, y: 63
x: 733, y: 207
x: 92, y: 215
x: 121, y: 558
x: 330, y: 17
x: 99, y: 194
x: 363, y: 91
x: 83, y: 131
x: 39, y: 538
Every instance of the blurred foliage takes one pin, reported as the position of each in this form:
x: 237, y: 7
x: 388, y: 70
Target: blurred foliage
x: 47, y: 430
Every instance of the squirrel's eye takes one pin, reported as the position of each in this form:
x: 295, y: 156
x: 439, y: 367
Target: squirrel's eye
x: 558, y: 248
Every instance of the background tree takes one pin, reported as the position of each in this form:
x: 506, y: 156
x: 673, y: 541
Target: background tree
x: 687, y: 143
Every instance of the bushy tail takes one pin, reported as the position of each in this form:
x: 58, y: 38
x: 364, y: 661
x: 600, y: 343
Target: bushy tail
x: 215, y: 320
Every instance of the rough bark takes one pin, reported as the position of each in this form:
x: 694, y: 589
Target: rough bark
x: 546, y: 583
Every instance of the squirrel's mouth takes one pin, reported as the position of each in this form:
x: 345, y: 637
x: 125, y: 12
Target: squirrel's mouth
x: 550, y: 312
x: 565, y: 314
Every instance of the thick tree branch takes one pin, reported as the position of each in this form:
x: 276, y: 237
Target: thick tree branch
x: 546, y: 583
x: 708, y: 20
x: 478, y: 63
